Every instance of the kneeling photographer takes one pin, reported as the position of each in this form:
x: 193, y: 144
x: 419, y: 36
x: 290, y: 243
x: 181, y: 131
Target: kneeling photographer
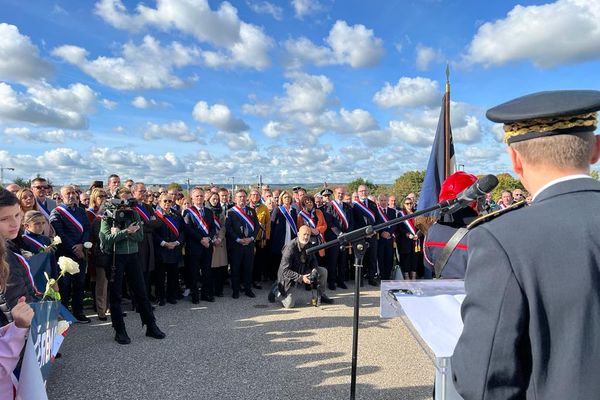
x: 120, y: 233
x: 297, y: 268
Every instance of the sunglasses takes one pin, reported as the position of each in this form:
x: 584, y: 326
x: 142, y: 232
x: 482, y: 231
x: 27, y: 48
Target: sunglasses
x: 40, y: 187
x: 167, y: 201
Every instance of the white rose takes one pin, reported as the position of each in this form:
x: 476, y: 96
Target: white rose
x: 67, y: 266
x: 57, y: 240
x: 87, y: 245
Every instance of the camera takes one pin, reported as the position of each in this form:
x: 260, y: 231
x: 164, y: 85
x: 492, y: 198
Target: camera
x: 314, y: 278
x: 120, y: 211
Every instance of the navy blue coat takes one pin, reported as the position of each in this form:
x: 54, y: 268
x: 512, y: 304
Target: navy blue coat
x: 278, y: 227
x: 69, y: 234
x: 532, y: 311
x: 163, y: 233
x: 193, y: 232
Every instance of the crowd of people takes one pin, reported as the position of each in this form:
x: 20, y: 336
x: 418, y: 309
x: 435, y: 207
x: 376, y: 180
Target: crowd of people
x: 159, y: 246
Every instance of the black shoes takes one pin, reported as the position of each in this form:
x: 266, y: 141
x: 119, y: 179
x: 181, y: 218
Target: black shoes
x: 250, y: 293
x: 331, y: 286
x: 342, y: 285
x: 82, y: 319
x: 326, y: 300
x: 373, y: 282
x: 220, y: 294
x: 210, y: 299
x: 273, y: 293
x: 172, y: 301
x: 154, y: 332
x: 162, y: 302
x: 256, y: 286
x: 103, y: 318
x: 196, y: 301
x: 121, y: 336
x: 236, y: 295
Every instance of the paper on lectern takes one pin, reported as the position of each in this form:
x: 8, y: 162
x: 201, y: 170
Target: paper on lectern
x: 436, y: 319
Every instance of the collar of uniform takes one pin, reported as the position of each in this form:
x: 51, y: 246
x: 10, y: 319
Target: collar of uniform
x: 558, y: 180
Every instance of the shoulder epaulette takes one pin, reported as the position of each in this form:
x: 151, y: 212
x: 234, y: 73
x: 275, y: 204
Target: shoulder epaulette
x: 496, y: 214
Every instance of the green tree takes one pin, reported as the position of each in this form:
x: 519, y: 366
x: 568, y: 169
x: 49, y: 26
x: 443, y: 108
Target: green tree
x: 506, y: 182
x: 174, y: 185
x: 409, y: 182
x: 595, y: 174
x: 22, y: 182
x: 353, y: 186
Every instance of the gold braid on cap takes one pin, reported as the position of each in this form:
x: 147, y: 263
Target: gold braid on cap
x: 549, y: 124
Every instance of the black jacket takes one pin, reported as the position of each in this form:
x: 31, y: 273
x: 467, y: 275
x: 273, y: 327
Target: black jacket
x: 294, y: 263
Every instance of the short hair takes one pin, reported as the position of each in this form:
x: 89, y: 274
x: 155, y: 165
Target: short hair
x: 123, y: 191
x: 559, y: 151
x: 113, y: 176
x: 7, y: 199
x: 241, y: 191
x: 38, y: 179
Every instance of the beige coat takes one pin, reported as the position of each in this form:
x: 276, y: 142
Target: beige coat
x: 219, y: 258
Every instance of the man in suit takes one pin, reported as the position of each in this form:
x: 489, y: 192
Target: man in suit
x: 113, y: 185
x: 38, y: 187
x: 532, y: 311
x: 200, y: 229
x: 242, y: 228
x: 70, y: 222
x: 364, y: 212
x: 385, y: 242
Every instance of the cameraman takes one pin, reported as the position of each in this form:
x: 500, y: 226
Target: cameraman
x: 295, y: 269
x: 120, y: 233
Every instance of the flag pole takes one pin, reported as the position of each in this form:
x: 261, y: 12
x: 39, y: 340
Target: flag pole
x: 447, y: 124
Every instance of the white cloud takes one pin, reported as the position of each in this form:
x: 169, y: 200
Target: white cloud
x: 142, y: 102
x: 236, y: 141
x: 148, y: 66
x: 427, y: 55
x: 563, y: 32
x: 356, y: 121
x: 108, y: 104
x: 481, y: 154
x: 412, y: 134
x: 354, y: 45
x: 238, y: 43
x: 19, y: 58
x: 48, y: 106
x: 55, y: 136
x: 302, y: 8
x: 264, y: 7
x: 177, y: 130
x: 307, y: 93
x: 274, y: 129
x: 219, y: 116
x: 469, y: 133
x: 408, y: 92
x: 498, y: 132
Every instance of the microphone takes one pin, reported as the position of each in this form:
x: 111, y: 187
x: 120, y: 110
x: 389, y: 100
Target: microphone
x: 481, y: 187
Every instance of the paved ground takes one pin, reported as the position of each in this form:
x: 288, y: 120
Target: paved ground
x: 246, y: 349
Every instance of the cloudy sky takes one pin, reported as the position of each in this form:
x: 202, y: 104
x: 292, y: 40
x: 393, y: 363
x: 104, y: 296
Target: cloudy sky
x: 298, y: 91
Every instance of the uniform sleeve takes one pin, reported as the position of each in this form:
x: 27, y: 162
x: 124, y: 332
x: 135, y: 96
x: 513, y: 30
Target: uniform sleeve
x: 492, y: 358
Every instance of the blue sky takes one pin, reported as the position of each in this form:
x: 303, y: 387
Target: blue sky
x: 298, y: 91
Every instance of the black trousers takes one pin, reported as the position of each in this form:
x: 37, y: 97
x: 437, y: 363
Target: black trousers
x: 370, y: 259
x: 408, y: 262
x: 385, y: 255
x: 261, y: 260
x: 241, y: 260
x: 201, y: 262
x: 170, y: 271
x: 127, y: 267
x: 71, y: 289
x: 332, y: 256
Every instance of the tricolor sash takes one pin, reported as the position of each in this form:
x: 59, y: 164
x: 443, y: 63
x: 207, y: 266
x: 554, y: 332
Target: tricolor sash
x: 198, y: 217
x: 64, y: 211
x: 366, y: 211
x: 144, y: 215
x: 217, y: 223
x: 245, y: 217
x: 410, y: 223
x: 382, y: 214
x: 289, y: 219
x: 42, y: 208
x: 170, y: 223
x: 39, y: 246
x: 340, y: 211
x: 23, y: 261
x: 308, y: 219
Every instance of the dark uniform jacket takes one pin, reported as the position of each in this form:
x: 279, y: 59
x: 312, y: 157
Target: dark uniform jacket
x: 294, y: 264
x: 532, y: 311
x: 335, y: 224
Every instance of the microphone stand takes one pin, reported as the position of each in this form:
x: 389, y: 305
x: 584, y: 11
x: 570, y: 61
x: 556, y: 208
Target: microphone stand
x: 359, y: 245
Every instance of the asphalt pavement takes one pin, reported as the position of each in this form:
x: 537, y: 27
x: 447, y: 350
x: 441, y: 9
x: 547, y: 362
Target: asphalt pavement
x: 246, y: 349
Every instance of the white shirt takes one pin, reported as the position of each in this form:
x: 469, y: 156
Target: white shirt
x: 559, y: 180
